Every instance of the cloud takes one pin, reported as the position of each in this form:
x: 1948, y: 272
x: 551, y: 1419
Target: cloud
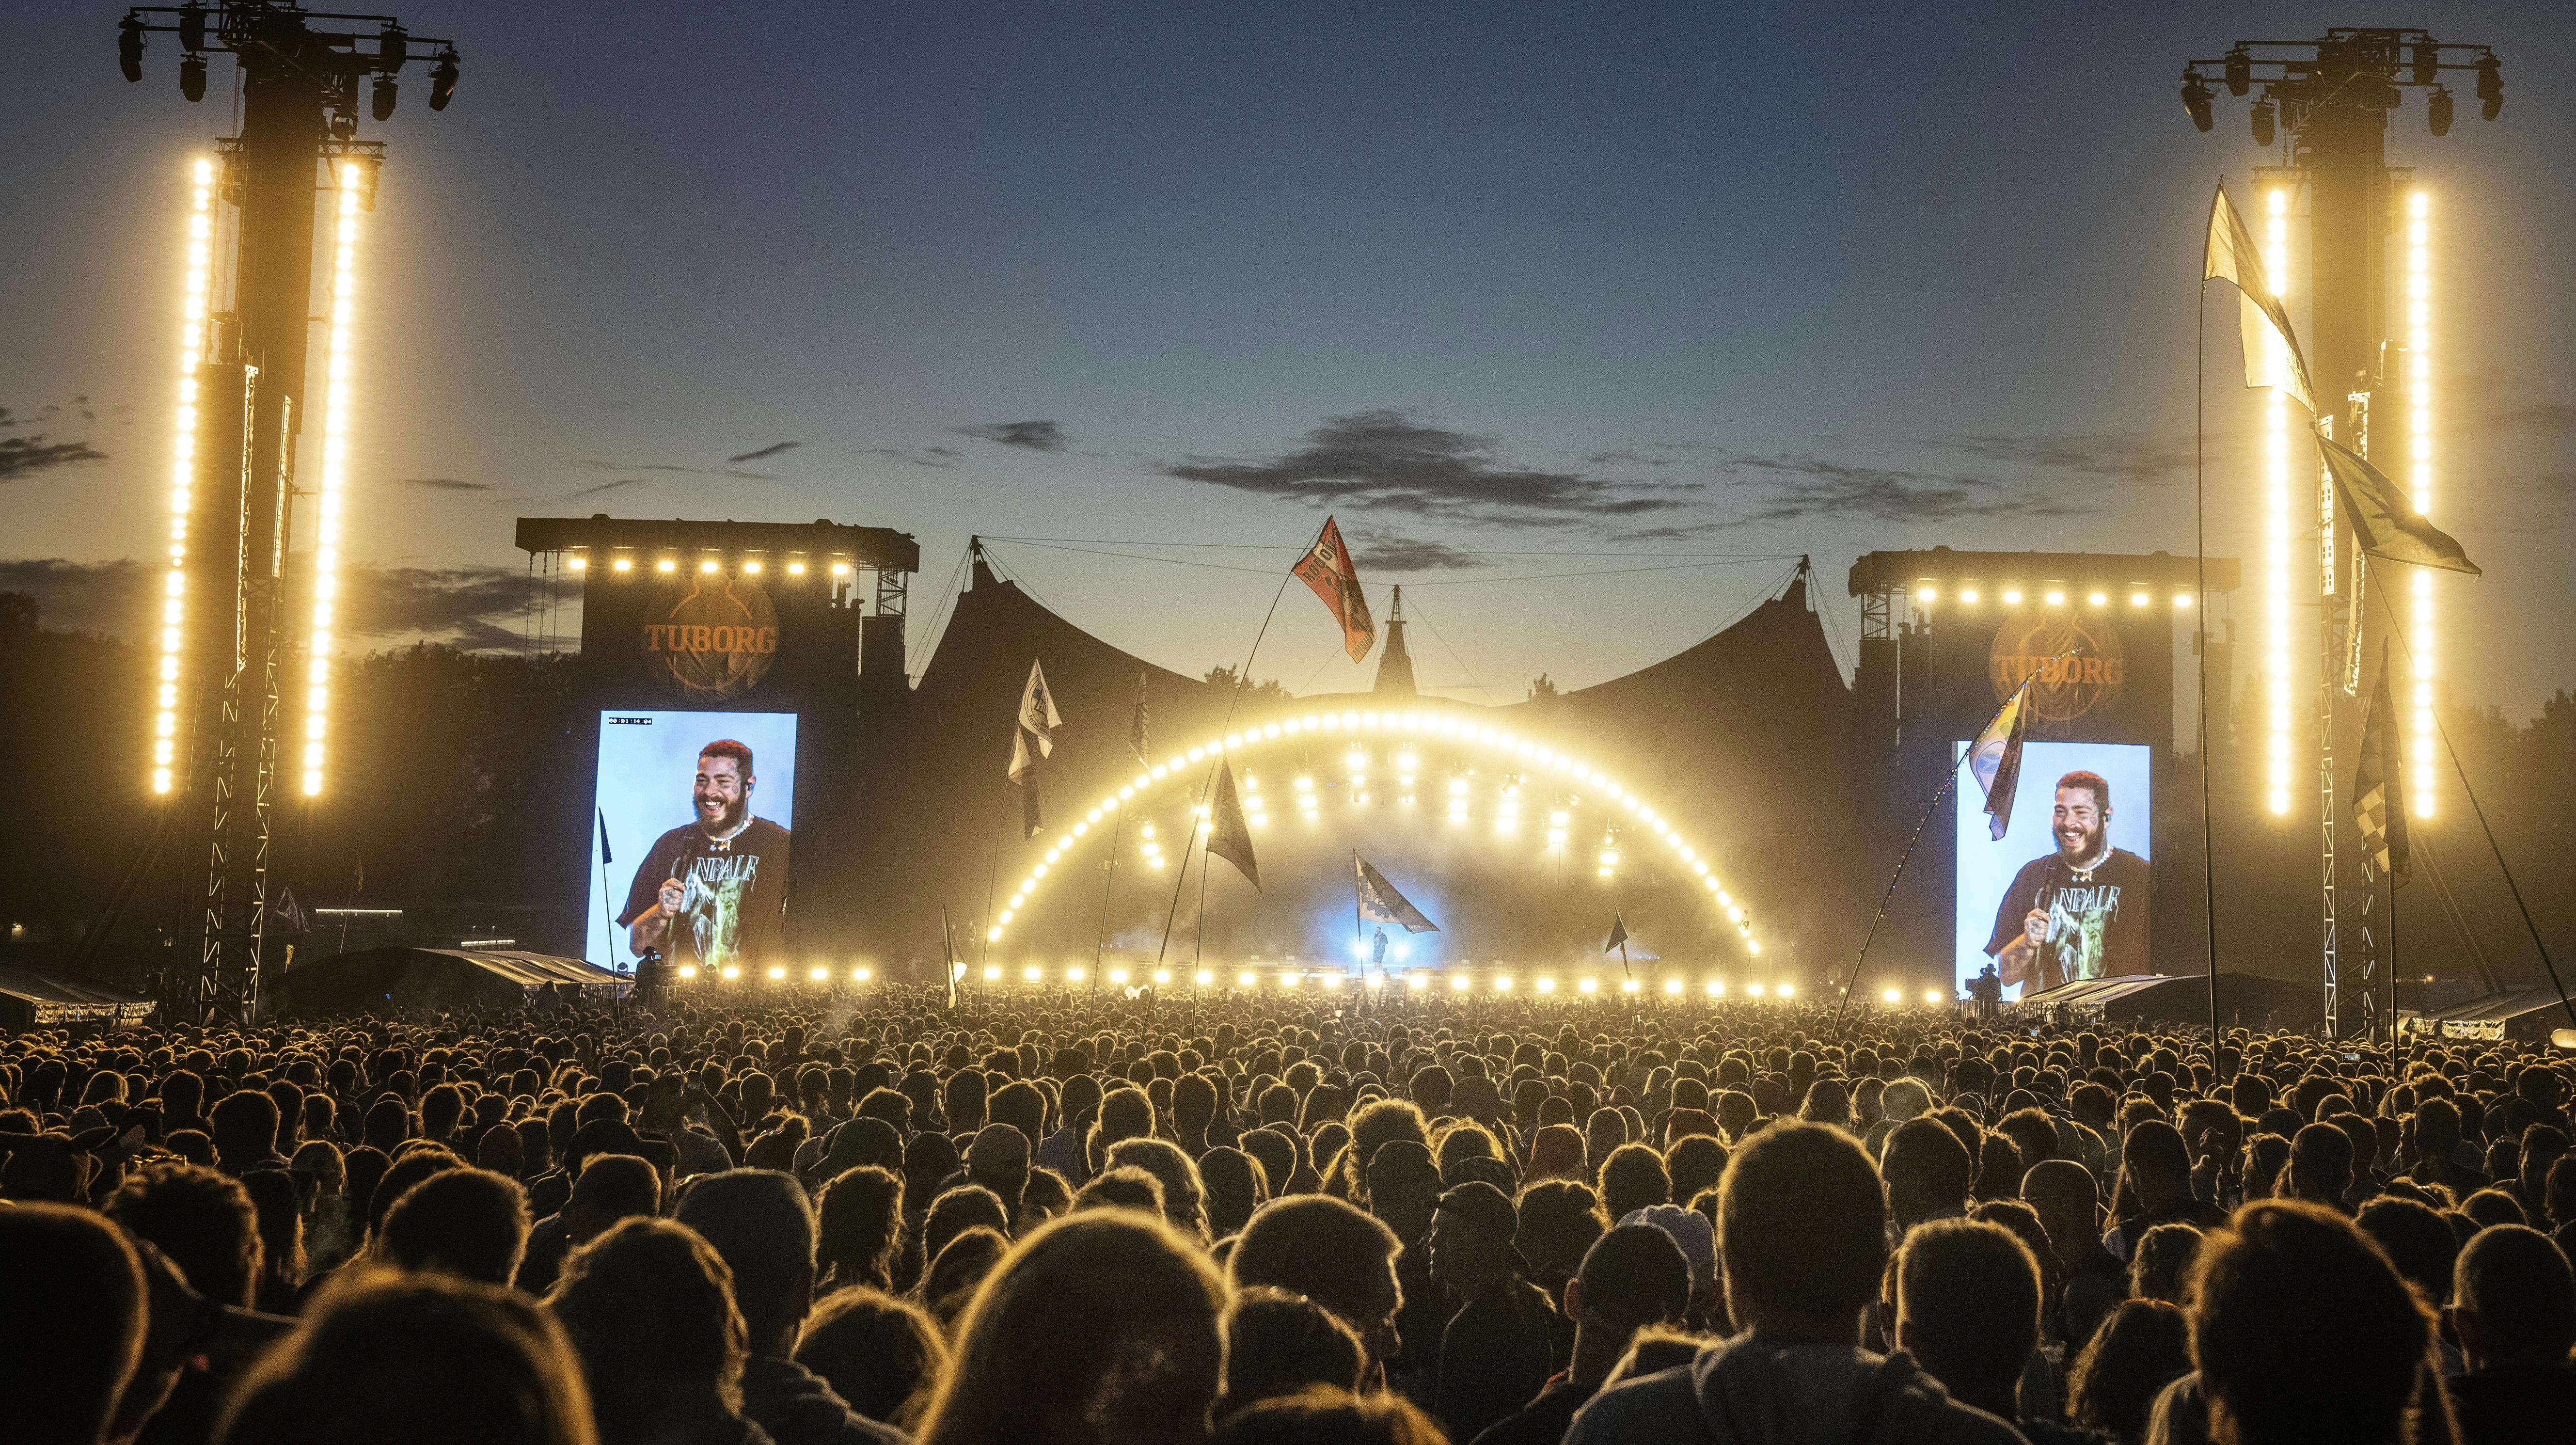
x: 471, y: 607
x: 1385, y: 459
x: 597, y: 465
x: 2122, y: 456
x: 771, y: 450
x: 1626, y: 456
x: 917, y: 456
x: 442, y: 484
x: 1386, y: 552
x: 1035, y: 436
x: 24, y: 457
x: 605, y: 487
x: 1802, y: 488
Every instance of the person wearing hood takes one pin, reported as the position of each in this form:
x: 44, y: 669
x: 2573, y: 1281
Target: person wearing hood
x: 1802, y: 1233
x: 1634, y: 1277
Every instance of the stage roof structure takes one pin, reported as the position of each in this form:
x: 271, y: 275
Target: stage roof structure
x: 32, y: 1000
x: 378, y: 980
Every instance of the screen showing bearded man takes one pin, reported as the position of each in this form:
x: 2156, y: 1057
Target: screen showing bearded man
x: 713, y: 891
x: 2079, y: 912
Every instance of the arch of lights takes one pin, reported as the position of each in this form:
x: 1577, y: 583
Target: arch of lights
x: 1404, y: 730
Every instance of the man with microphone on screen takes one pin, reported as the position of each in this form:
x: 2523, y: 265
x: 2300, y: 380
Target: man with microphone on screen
x: 713, y: 891
x: 2081, y: 912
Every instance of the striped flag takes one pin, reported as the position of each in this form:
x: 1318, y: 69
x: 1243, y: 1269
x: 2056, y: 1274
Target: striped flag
x: 2231, y: 255
x: 1140, y: 730
x: 2377, y: 809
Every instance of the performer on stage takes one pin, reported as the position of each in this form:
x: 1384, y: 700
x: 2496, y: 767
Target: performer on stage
x: 721, y: 876
x: 2080, y: 912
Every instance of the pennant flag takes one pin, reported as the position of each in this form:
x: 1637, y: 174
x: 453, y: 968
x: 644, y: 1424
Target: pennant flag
x: 2231, y: 255
x: 1229, y: 837
x: 948, y: 949
x: 1618, y: 933
x: 1327, y: 568
x: 2385, y: 518
x: 1140, y: 734
x: 1032, y: 739
x: 1995, y: 759
x: 606, y: 856
x: 1379, y: 900
x: 290, y: 918
x: 2377, y: 808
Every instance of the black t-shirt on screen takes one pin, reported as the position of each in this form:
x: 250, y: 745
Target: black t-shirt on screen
x: 737, y: 893
x: 2097, y: 919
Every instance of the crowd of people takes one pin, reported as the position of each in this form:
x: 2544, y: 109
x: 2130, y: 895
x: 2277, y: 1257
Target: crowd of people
x: 1275, y: 1221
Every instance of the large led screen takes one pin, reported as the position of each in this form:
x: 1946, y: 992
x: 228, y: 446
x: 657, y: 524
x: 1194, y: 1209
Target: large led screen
x: 688, y: 838
x: 2062, y: 896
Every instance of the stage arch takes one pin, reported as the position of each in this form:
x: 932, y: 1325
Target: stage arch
x: 1405, y: 729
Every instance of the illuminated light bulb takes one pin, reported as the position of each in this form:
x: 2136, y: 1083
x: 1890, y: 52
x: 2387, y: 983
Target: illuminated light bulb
x: 1504, y: 983
x: 1968, y: 594
x: 1716, y: 988
x: 2056, y: 598
x: 1119, y: 975
x: 1931, y: 995
x: 1786, y: 990
x: 1204, y: 977
x: 795, y: 569
x: 622, y: 564
x: 1754, y: 989
x: 819, y: 974
x: 580, y: 564
x: 2012, y: 596
x: 1891, y: 995
x: 666, y: 565
x: 751, y: 569
x: 992, y: 972
x: 1461, y: 984
x: 1589, y: 985
x: 1417, y: 981
x: 688, y: 970
x: 2098, y: 599
x: 1073, y: 975
x: 860, y: 974
x: 1247, y: 979
x: 777, y: 974
x: 1547, y: 985
x: 1162, y: 975
x: 840, y: 569
x: 1031, y: 974
x: 731, y: 972
x: 1672, y: 985
x: 1925, y: 594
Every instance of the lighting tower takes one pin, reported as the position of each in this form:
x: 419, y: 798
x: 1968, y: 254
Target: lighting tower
x: 2328, y: 101
x: 228, y: 621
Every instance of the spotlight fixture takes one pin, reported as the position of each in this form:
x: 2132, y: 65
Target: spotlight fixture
x: 2490, y: 87
x: 192, y: 25
x: 2196, y: 96
x: 442, y: 80
x: 129, y: 48
x: 2437, y: 110
x: 2263, y: 123
x: 192, y: 78
x: 380, y: 99
x: 2239, y: 71
x: 2427, y: 58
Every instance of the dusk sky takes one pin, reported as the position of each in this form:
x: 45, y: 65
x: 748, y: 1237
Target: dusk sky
x: 1636, y: 284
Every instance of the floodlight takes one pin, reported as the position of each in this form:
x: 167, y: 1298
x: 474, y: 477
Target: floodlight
x: 2427, y: 58
x: 192, y: 78
x: 192, y: 25
x: 2264, y: 129
x: 2196, y: 96
x: 1116, y: 975
x: 1931, y: 995
x: 579, y: 564
x: 380, y: 99
x: 129, y: 48
x: 623, y: 564
x: 819, y: 973
x: 2239, y: 71
x: 1203, y: 978
x: 1786, y: 990
x: 992, y: 973
x: 442, y: 80
x: 859, y: 974
x: 1030, y: 973
x: 688, y: 970
x: 1890, y: 996
x: 776, y: 973
x: 2437, y: 110
x: 1073, y: 975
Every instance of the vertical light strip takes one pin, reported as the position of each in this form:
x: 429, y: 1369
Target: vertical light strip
x: 183, y: 466
x: 335, y: 452
x: 2278, y: 530
x: 2419, y: 432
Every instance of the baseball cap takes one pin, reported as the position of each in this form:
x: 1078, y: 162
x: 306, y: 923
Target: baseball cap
x: 1690, y: 1230
x: 1488, y: 1209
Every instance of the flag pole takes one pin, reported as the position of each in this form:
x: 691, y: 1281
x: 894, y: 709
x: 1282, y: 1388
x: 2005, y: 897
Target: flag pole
x: 1920, y: 824
x: 2200, y: 651
x: 1116, y: 831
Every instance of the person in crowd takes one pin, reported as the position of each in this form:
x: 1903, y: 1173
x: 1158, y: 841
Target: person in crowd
x: 1802, y: 1238
x: 1499, y: 1349
x: 1100, y: 1327
x: 1319, y: 1247
x: 1634, y: 1278
x: 2089, y: 1280
x: 415, y: 1359
x: 2161, y: 1267
x: 1967, y: 1309
x: 649, y: 1309
x: 73, y: 1312
x: 761, y: 1225
x: 470, y: 1223
x: 2302, y: 1331
x: 2140, y: 1347
x: 1927, y: 1171
x: 2515, y: 1316
x: 2155, y: 1188
x: 611, y: 1187
x: 879, y: 1353
x: 1330, y: 1417
x: 1278, y: 1343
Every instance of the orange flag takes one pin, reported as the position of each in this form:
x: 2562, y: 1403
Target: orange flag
x: 1327, y: 568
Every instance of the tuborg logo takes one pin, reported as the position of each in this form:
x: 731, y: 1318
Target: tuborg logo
x: 714, y: 637
x: 2067, y: 687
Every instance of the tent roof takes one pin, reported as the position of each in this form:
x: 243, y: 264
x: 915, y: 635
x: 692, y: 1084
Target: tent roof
x: 2497, y: 1007
x: 2095, y: 992
x: 517, y: 967
x: 37, y: 989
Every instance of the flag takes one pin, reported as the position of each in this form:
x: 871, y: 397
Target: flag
x: 2377, y: 808
x: 1380, y: 901
x: 1032, y: 739
x: 1995, y: 759
x: 948, y: 950
x: 1327, y: 568
x: 290, y: 918
x: 606, y: 857
x: 1140, y: 731
x: 1229, y: 836
x: 2230, y: 255
x: 2384, y: 517
x: 1618, y: 933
